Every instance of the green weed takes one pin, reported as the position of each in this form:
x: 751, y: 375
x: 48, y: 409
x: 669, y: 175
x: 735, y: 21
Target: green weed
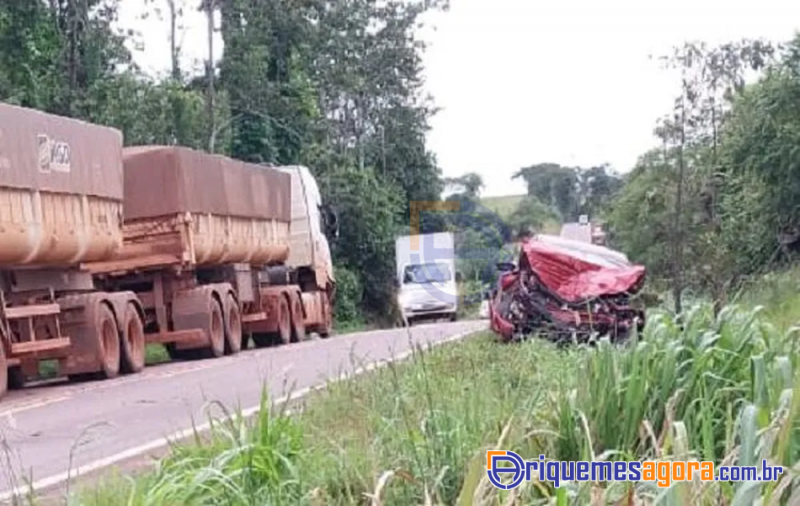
x: 416, y: 432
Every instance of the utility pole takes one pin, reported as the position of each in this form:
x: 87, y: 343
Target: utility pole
x: 208, y: 6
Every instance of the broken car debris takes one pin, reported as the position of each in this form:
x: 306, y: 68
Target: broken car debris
x: 566, y: 290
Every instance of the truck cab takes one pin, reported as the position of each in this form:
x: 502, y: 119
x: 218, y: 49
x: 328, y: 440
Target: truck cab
x: 312, y: 221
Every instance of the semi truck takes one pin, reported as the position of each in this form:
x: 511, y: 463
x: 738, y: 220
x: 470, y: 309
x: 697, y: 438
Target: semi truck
x: 105, y: 249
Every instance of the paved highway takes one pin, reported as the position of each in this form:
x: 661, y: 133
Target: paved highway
x: 50, y: 430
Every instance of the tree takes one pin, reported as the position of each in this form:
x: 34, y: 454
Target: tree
x: 368, y: 207
x: 676, y: 212
x: 710, y: 77
x: 530, y: 215
x: 553, y: 185
x: 367, y: 63
x: 597, y: 186
x: 759, y: 153
x: 262, y: 71
x: 336, y: 86
x: 469, y: 185
x: 571, y: 191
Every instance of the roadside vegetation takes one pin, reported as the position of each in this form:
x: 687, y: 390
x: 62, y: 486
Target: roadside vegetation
x: 721, y: 388
x: 707, y: 210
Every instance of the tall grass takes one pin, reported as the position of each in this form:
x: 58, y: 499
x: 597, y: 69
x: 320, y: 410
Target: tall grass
x: 723, y: 389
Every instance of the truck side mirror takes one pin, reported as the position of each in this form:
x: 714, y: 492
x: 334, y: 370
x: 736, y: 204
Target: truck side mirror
x: 330, y: 221
x: 505, y: 266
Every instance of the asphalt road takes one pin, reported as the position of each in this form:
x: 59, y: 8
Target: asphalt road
x: 51, y: 430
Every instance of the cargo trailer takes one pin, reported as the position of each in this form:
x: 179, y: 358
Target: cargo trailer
x: 104, y: 250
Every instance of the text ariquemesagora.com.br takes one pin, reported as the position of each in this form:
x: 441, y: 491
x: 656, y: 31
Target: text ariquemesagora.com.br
x: 507, y: 470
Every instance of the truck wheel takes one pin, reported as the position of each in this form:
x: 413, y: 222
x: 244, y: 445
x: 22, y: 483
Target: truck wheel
x: 298, y: 323
x: 3, y: 371
x: 233, y: 326
x: 284, y: 321
x: 215, y: 331
x: 108, y: 339
x: 284, y: 332
x: 105, y: 336
x: 133, y: 341
x: 327, y: 326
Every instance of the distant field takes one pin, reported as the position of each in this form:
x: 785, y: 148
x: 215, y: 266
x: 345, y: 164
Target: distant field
x: 502, y: 206
x: 505, y: 205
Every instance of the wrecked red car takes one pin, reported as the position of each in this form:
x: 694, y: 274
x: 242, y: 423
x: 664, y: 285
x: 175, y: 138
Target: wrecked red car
x: 566, y: 291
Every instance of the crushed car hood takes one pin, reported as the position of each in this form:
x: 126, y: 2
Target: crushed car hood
x: 578, y: 272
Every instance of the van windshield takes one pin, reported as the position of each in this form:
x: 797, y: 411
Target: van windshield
x: 427, y: 273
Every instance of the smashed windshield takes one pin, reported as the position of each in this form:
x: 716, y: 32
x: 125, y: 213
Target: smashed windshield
x: 427, y: 273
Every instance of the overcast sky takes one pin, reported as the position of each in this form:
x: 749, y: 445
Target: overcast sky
x: 528, y: 81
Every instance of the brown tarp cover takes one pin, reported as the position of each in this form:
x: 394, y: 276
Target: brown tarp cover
x: 165, y: 180
x: 51, y: 153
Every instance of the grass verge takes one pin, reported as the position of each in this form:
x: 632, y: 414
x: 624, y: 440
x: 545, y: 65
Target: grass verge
x: 723, y: 389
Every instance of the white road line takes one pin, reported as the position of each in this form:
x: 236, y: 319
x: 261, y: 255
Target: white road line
x: 25, y: 406
x: 50, y: 481
x: 151, y: 373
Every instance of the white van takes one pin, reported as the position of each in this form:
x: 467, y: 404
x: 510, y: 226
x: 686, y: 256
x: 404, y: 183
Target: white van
x: 426, y: 277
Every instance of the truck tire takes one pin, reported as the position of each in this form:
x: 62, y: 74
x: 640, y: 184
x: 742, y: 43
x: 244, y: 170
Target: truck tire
x: 104, y: 335
x: 215, y: 329
x: 233, y: 326
x: 133, y: 347
x: 108, y: 339
x: 327, y: 326
x: 298, y: 321
x: 3, y: 371
x: 284, y: 334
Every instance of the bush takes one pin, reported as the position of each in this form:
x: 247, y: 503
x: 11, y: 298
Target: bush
x: 349, y: 291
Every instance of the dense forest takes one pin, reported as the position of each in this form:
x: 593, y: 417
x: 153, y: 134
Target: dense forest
x: 336, y: 86
x: 715, y: 202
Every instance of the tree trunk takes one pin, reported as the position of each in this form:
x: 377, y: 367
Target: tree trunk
x: 678, y: 274
x: 212, y: 129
